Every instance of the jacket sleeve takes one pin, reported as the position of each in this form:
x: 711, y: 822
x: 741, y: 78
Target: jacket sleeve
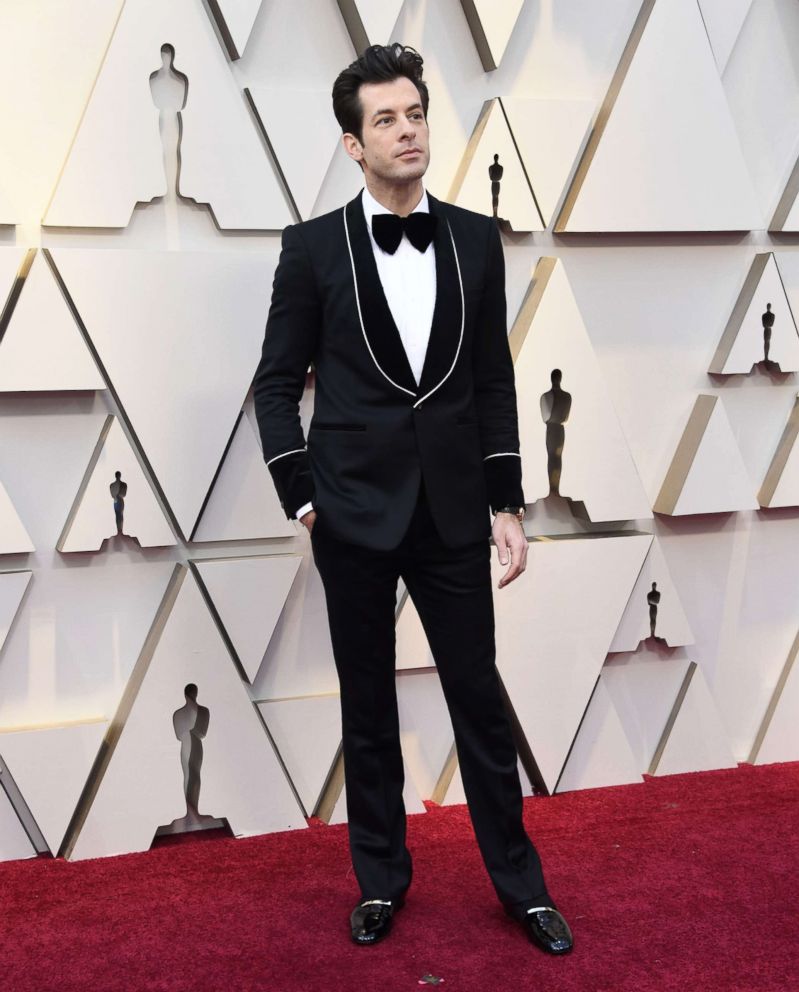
x: 289, y: 344
x: 494, y: 385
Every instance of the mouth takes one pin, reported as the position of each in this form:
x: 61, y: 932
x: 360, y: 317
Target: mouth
x: 410, y: 153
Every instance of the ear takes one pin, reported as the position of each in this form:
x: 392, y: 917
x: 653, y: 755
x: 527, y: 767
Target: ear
x: 352, y: 146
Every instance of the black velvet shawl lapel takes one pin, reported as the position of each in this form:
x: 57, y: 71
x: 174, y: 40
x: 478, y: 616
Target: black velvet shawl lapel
x: 445, y: 334
x: 378, y: 325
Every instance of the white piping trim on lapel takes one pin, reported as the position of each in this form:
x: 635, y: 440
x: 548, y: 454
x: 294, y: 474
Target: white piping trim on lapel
x: 463, y: 321
x: 292, y: 452
x: 360, y: 315
x: 498, y: 454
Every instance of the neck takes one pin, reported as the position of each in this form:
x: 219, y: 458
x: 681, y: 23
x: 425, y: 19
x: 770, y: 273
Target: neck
x: 399, y: 198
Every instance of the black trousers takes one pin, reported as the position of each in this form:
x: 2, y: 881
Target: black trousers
x: 451, y: 589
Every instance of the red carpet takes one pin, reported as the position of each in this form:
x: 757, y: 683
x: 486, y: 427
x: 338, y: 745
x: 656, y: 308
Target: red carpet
x: 686, y: 882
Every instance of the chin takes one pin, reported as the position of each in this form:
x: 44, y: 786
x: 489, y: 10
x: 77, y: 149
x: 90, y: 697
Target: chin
x: 410, y: 171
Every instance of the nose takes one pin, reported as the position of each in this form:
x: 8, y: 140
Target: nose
x: 408, y: 128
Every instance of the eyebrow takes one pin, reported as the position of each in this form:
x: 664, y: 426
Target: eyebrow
x: 390, y: 110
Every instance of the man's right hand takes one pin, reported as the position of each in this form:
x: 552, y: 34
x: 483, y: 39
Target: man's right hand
x: 307, y: 519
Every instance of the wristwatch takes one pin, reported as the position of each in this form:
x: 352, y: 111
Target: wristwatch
x: 517, y: 511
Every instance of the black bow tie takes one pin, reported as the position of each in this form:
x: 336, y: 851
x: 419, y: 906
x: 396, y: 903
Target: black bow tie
x: 389, y: 228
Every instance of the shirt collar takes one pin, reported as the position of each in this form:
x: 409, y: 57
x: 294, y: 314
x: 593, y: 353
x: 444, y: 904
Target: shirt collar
x: 371, y: 206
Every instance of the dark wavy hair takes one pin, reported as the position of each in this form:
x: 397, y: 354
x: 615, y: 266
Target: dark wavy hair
x: 378, y: 64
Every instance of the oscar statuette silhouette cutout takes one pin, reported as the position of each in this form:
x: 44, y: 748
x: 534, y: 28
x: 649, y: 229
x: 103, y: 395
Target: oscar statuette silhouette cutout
x: 169, y: 90
x: 653, y: 598
x: 191, y: 725
x: 495, y: 173
x: 768, y: 324
x: 556, y: 406
x: 119, y: 491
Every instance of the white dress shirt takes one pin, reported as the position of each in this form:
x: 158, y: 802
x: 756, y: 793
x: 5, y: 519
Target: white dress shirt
x: 408, y: 278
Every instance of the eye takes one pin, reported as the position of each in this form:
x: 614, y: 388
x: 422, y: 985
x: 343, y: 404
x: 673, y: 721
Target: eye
x: 384, y: 120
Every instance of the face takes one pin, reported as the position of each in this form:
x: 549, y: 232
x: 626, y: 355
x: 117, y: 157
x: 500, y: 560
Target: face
x: 395, y: 147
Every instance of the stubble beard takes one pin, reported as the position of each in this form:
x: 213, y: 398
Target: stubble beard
x: 405, y: 177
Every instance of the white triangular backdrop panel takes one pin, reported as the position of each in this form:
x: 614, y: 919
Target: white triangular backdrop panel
x: 14, y: 539
x: 243, y: 504
x: 472, y: 186
x: 781, y: 484
x: 743, y: 343
x: 779, y: 738
x: 92, y: 519
x: 715, y: 480
x: 238, y: 17
x: 669, y: 158
x: 601, y: 754
x: 249, y: 595
x: 598, y: 469
x: 116, y: 159
x: 307, y: 735
x: 549, y: 135
x: 788, y: 267
x: 723, y: 22
x: 492, y: 23
x: 42, y: 348
x: 76, y: 639
x: 12, y: 589
x: 553, y: 630
x: 791, y: 224
x: 50, y: 766
x: 160, y: 323
x: 303, y: 153
x: 671, y: 623
x: 142, y: 785
x: 643, y: 688
x: 299, y: 659
x: 373, y: 19
x: 698, y: 740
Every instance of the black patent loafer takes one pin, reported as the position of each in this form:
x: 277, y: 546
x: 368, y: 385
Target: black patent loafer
x: 547, y: 929
x: 371, y: 920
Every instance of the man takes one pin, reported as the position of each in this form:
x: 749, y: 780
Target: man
x: 398, y: 300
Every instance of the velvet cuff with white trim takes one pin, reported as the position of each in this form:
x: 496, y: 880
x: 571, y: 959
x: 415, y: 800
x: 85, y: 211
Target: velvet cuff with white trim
x: 503, y: 475
x: 293, y: 481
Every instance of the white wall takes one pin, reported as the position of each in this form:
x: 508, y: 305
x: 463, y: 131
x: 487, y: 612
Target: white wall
x: 653, y: 304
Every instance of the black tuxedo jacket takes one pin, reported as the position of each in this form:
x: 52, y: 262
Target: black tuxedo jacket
x: 374, y: 430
